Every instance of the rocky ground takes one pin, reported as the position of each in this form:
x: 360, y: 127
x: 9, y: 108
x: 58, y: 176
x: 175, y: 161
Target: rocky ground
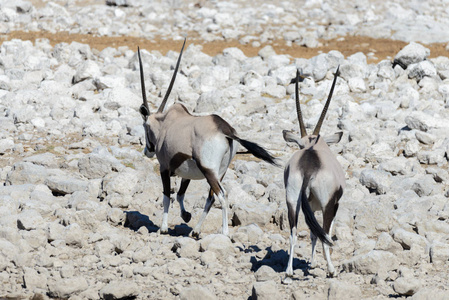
x: 80, y: 206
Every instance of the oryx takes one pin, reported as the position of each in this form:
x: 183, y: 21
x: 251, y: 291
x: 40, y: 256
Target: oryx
x: 313, y: 180
x: 191, y: 147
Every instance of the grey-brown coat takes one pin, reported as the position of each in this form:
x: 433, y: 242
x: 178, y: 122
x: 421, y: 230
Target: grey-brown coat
x: 313, y: 180
x: 192, y: 147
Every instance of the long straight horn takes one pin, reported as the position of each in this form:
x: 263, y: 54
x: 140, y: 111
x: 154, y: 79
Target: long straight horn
x: 142, y: 82
x: 326, y: 106
x: 161, y: 108
x: 298, y: 107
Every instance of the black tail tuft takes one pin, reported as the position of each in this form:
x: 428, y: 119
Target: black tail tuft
x: 258, y: 151
x: 311, y: 221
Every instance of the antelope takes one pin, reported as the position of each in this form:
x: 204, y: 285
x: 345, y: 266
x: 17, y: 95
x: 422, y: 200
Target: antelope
x: 193, y: 148
x: 313, y: 180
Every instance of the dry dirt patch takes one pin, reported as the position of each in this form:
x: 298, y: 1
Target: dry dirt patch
x: 382, y: 48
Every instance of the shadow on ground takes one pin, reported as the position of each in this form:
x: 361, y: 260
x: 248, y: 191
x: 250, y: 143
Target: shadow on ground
x: 277, y: 260
x: 135, y: 220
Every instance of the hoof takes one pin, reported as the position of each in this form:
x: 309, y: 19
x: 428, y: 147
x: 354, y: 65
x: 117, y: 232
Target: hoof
x: 287, y: 280
x: 196, y: 235
x: 163, y: 231
x: 186, y: 216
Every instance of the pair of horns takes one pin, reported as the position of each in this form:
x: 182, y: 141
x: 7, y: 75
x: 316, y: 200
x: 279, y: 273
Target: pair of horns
x: 142, y: 81
x: 302, y: 128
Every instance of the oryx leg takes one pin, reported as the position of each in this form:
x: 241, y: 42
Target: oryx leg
x: 313, y: 259
x: 293, y: 239
x: 185, y: 215
x: 218, y: 190
x: 329, y: 213
x: 293, y: 212
x: 165, y: 175
x: 209, y: 202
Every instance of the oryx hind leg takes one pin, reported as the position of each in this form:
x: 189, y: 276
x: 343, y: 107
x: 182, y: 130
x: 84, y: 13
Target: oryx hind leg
x: 218, y: 190
x: 313, y: 259
x: 185, y: 215
x: 329, y: 213
x: 293, y: 211
x: 209, y: 202
x: 165, y: 176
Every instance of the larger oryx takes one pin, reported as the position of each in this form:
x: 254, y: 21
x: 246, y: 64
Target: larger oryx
x: 191, y: 147
x: 313, y: 180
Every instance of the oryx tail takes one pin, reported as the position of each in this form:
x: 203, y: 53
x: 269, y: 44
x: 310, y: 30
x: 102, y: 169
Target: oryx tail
x: 252, y: 147
x: 257, y: 151
x: 311, y: 221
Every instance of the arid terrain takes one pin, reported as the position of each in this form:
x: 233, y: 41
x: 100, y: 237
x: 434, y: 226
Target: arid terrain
x: 81, y: 206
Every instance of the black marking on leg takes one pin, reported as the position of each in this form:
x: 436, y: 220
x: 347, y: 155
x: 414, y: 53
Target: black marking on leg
x: 184, y: 185
x: 165, y: 176
x: 211, y: 200
x: 292, y: 215
x: 331, y: 209
x: 186, y: 216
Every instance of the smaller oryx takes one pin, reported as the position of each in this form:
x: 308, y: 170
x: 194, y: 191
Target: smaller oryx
x: 191, y: 147
x: 313, y: 180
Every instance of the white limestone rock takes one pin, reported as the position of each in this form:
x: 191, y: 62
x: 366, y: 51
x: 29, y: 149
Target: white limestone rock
x: 196, y: 292
x: 406, y: 285
x: 6, y: 145
x: 376, y: 180
x: 439, y: 252
x: 87, y: 70
x: 29, y: 219
x: 373, y: 262
x: 421, y: 70
x: 265, y: 290
x: 408, y: 239
x: 66, y: 185
x: 66, y: 287
x: 25, y: 172
x: 339, y: 290
x: 411, y: 54
x: 246, y: 213
x: 218, y: 243
x: 119, y: 290
x: 118, y: 96
x: 186, y: 247
x: 266, y: 273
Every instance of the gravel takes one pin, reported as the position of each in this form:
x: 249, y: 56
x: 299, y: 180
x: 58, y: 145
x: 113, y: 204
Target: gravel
x: 80, y: 205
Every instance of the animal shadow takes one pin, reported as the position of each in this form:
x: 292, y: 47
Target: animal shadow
x: 277, y: 260
x: 135, y: 220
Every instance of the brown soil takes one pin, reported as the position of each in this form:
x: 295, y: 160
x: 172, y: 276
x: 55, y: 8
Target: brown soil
x: 382, y: 48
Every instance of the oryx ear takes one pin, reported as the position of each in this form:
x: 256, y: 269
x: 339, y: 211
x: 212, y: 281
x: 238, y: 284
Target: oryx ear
x: 334, y: 138
x: 144, y: 111
x: 292, y: 138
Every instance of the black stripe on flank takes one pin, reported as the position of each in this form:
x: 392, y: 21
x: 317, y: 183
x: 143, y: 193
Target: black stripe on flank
x: 211, y: 179
x: 331, y: 209
x: 224, y: 127
x: 177, y: 160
